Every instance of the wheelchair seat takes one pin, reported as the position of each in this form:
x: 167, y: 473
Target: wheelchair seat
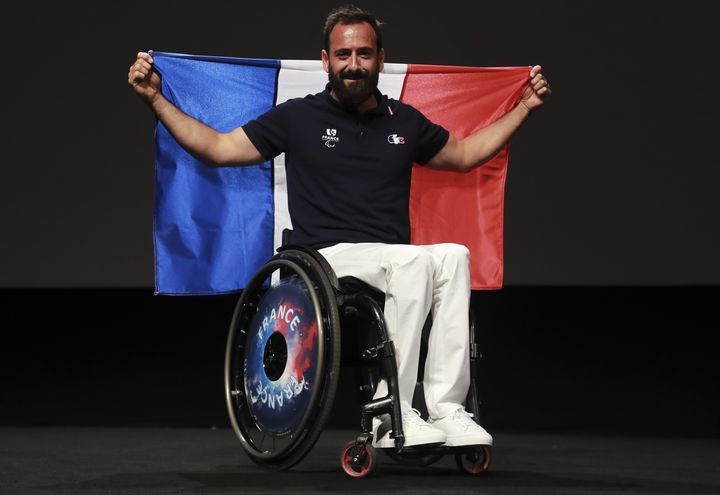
x: 282, y: 364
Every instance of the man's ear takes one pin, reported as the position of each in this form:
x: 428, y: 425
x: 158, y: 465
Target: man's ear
x: 381, y: 59
x: 325, y: 60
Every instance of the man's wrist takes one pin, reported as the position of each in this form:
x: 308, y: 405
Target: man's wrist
x: 524, y: 108
x: 156, y: 102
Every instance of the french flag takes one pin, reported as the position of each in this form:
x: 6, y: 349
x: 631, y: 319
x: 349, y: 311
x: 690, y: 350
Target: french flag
x: 215, y: 227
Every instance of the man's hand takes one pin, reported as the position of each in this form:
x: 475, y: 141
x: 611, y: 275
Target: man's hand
x: 538, y: 90
x: 143, y: 79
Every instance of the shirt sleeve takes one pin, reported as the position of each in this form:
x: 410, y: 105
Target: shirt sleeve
x: 431, y: 139
x: 268, y: 133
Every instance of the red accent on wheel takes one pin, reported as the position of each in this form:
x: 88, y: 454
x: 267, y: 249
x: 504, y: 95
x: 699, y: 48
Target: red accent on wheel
x: 353, y: 469
x: 476, y: 463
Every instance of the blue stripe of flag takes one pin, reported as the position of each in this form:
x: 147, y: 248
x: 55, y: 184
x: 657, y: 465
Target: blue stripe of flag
x: 213, y: 227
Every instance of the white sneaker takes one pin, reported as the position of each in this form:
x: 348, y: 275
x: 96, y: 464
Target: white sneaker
x: 460, y: 429
x: 416, y: 431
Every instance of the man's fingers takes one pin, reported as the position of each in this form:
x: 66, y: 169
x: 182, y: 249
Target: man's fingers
x: 542, y: 88
x: 144, y: 56
x: 138, y: 74
x: 144, y: 65
x: 135, y: 77
x: 140, y: 70
x: 539, y: 83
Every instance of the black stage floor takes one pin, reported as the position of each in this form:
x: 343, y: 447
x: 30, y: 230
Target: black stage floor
x: 48, y: 460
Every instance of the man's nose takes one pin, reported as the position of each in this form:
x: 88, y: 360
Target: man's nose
x: 353, y: 63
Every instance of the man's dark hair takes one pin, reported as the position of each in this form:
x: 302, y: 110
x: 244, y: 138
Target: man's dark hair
x: 350, y: 14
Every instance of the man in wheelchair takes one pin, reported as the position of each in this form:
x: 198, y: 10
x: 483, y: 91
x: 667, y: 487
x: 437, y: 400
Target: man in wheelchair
x: 349, y: 153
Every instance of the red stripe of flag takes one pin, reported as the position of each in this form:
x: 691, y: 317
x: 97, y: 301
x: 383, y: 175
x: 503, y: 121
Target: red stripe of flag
x: 463, y: 208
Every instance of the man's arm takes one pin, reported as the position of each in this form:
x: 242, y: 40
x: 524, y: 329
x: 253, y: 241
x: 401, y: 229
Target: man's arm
x: 477, y: 148
x: 200, y: 140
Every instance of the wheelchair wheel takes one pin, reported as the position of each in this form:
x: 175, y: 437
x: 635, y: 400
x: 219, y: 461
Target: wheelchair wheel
x: 282, y: 360
x: 475, y: 462
x: 358, y: 460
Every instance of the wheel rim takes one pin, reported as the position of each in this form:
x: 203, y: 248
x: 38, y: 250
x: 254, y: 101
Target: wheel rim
x: 271, y: 392
x: 476, y: 462
x: 281, y: 359
x: 351, y: 466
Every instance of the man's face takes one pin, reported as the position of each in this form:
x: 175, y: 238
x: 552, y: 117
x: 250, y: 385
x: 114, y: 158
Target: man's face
x: 353, y: 63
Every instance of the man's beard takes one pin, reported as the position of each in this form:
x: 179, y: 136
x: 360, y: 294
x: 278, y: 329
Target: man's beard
x: 364, y: 86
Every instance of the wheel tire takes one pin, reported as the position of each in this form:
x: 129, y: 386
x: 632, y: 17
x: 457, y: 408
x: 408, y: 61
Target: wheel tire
x: 310, y: 428
x: 474, y: 463
x: 358, y: 464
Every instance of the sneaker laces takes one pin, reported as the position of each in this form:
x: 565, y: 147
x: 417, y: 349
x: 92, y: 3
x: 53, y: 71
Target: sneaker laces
x: 464, y: 418
x: 412, y: 416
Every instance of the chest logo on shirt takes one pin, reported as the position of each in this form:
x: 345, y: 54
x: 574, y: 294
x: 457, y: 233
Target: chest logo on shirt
x: 395, y: 139
x: 330, y: 138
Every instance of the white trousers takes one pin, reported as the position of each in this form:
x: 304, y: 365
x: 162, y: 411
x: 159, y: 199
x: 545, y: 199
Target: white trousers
x: 418, y: 280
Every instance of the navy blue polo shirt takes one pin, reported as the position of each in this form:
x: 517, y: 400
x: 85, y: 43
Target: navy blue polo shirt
x: 348, y: 174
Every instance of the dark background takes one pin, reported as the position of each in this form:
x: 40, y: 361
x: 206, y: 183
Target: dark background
x: 607, y: 317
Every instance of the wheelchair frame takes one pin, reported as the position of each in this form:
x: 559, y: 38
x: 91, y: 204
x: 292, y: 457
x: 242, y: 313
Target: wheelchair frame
x: 333, y: 304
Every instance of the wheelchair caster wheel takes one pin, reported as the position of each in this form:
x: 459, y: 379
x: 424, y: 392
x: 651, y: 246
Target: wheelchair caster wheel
x: 358, y: 460
x: 476, y: 462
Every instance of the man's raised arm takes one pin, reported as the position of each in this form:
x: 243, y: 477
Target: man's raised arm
x: 203, y: 142
x: 477, y: 148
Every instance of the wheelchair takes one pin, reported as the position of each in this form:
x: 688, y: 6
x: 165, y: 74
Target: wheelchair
x: 282, y: 366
